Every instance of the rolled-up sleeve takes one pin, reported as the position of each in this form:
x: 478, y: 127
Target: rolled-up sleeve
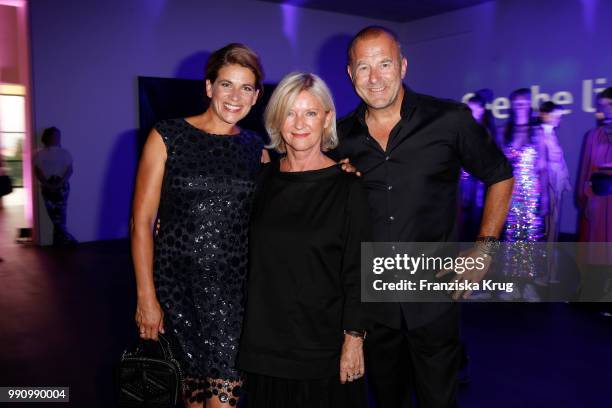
x: 479, y: 154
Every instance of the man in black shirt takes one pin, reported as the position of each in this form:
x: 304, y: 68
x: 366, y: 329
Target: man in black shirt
x: 410, y: 149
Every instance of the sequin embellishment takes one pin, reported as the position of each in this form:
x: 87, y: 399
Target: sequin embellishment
x: 200, y: 259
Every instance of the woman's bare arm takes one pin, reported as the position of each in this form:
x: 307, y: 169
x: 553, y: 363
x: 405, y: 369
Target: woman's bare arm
x: 149, y: 316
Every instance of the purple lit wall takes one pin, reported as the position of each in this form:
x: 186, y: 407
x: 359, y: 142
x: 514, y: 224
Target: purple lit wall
x: 88, y: 54
x: 562, y: 49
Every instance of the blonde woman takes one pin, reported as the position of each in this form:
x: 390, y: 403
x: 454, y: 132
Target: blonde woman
x: 302, y: 341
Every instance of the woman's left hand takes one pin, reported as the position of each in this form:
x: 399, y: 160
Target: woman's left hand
x: 352, y: 364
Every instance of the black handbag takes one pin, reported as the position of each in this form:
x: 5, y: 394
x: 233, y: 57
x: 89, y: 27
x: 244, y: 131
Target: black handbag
x: 6, y: 186
x: 149, y: 376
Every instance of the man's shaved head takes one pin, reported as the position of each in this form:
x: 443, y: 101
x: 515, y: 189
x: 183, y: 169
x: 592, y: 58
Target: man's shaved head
x: 372, y: 32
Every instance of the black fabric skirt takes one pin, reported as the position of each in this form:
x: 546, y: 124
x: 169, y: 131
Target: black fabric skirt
x: 271, y: 392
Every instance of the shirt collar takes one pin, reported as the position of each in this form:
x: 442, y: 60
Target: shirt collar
x: 409, y: 102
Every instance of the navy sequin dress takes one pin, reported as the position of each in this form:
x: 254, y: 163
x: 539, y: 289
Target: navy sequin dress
x: 200, y: 258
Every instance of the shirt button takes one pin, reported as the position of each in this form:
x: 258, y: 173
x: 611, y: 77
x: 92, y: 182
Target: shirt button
x: 389, y: 187
x: 391, y: 218
x: 387, y: 158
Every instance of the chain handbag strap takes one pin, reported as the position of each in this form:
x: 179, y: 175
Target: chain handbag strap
x: 166, y: 347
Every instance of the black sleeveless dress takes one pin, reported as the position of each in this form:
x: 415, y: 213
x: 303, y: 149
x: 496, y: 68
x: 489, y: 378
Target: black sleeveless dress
x: 200, y: 256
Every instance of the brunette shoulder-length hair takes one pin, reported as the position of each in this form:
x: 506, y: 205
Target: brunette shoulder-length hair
x: 511, y: 123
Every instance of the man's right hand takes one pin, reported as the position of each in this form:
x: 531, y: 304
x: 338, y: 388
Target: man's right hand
x: 149, y: 318
x: 348, y: 167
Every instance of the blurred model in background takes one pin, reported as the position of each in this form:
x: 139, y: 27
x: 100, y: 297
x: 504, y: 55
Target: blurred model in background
x: 525, y: 222
x: 556, y: 168
x: 595, y: 178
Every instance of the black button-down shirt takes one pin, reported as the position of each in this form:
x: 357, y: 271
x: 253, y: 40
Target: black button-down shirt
x: 412, y: 185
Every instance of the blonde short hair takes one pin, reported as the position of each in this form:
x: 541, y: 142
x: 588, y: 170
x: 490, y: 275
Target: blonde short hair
x: 282, y: 100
